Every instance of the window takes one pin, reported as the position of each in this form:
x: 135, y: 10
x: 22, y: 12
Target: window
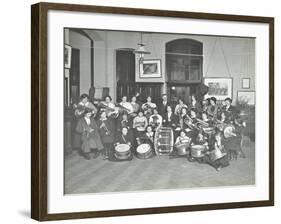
x: 184, y: 60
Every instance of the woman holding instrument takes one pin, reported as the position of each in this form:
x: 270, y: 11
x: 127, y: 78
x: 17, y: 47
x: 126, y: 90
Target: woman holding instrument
x: 179, y: 106
x: 126, y: 106
x: 90, y: 138
x: 213, y: 107
x: 82, y: 105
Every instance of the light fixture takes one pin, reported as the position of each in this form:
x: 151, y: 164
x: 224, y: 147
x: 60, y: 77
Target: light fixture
x: 141, y: 51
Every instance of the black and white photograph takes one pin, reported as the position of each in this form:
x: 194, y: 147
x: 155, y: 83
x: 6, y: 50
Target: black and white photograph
x: 168, y: 116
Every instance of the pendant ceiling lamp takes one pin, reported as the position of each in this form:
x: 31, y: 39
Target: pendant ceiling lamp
x: 141, y: 51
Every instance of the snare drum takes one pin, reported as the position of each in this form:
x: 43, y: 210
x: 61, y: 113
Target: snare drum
x: 228, y: 131
x: 216, y: 154
x: 144, y: 151
x: 198, y: 151
x: 122, y: 151
x: 182, y: 149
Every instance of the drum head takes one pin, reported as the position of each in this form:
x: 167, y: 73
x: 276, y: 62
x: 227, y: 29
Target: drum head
x: 122, y: 148
x: 143, y: 148
x: 141, y: 129
x: 228, y: 131
x: 198, y: 147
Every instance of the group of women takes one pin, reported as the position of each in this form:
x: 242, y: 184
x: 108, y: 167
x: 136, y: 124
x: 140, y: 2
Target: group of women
x: 105, y: 125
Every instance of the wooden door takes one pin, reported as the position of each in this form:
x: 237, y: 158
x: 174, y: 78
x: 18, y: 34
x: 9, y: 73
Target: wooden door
x: 74, y: 94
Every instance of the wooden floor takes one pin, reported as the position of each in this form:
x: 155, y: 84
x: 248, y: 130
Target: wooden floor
x: 159, y: 172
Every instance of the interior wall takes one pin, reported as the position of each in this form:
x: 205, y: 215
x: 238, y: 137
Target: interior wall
x: 77, y: 40
x: 222, y: 57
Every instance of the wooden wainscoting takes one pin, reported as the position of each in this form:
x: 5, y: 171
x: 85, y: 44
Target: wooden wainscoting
x: 145, y: 89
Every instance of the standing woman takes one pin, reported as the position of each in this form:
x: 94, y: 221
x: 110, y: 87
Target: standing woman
x: 90, y: 138
x: 213, y: 108
x: 106, y: 129
x: 195, y: 104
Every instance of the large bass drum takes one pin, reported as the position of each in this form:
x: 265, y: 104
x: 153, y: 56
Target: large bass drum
x: 163, y: 140
x: 144, y: 151
x: 122, y: 152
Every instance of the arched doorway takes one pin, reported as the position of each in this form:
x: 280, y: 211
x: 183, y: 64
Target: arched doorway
x: 184, y: 62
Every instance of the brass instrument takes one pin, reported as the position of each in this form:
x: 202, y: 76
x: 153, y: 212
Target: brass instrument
x: 201, y: 124
x: 107, y: 131
x: 122, y: 108
x: 112, y: 112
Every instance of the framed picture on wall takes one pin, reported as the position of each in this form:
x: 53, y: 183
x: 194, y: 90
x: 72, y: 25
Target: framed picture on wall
x: 246, y: 97
x: 220, y: 88
x: 246, y: 83
x: 150, y: 68
x: 86, y: 161
x: 67, y: 56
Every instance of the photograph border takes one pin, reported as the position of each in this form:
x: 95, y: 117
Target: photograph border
x: 39, y: 108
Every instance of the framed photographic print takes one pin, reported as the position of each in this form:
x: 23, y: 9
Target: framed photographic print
x: 105, y: 143
x: 221, y: 88
x: 246, y: 83
x: 150, y: 69
x: 67, y: 56
x: 246, y: 97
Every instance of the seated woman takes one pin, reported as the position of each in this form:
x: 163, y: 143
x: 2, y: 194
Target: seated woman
x: 124, y: 121
x: 182, y: 138
x: 108, y: 106
x: 148, y: 106
x: 126, y: 106
x: 191, y: 123
x: 199, y: 140
x: 124, y: 137
x: 90, y: 138
x: 217, y: 157
x: 139, y: 124
x: 135, y: 106
x: 148, y: 137
x: 155, y: 119
x: 82, y: 105
x: 169, y: 118
x: 179, y: 107
x: 183, y: 118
